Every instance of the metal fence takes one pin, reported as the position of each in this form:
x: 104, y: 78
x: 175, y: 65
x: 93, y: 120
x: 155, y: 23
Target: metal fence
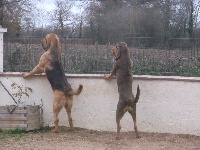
x: 150, y: 56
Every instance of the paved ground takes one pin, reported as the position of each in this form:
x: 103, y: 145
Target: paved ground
x: 82, y: 139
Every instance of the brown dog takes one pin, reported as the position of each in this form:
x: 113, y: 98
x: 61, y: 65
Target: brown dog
x: 50, y: 63
x: 122, y: 71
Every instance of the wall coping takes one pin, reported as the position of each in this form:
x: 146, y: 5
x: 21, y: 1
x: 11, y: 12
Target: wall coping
x: 138, y: 77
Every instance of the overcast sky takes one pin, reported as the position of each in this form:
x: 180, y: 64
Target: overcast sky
x: 50, y: 4
x: 47, y: 4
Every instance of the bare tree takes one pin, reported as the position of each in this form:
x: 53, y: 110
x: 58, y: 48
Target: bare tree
x: 152, y: 18
x: 1, y: 12
x: 191, y: 19
x: 61, y: 15
x: 15, y: 13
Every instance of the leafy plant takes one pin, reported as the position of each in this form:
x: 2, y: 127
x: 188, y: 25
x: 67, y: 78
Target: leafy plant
x: 20, y: 91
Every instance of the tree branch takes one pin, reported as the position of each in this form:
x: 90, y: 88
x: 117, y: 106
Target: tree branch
x: 8, y: 92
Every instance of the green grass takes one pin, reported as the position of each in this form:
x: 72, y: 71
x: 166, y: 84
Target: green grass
x: 19, y: 133
x: 16, y: 133
x: 42, y: 129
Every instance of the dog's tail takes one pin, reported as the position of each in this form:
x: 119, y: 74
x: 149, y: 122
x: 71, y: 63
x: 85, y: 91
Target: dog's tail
x: 137, y: 95
x: 76, y: 92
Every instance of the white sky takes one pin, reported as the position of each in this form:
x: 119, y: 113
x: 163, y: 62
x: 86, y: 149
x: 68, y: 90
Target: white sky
x: 46, y: 4
x: 50, y: 4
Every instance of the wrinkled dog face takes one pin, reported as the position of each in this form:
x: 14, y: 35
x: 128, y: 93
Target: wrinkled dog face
x: 120, y: 50
x: 50, y: 39
x: 114, y: 51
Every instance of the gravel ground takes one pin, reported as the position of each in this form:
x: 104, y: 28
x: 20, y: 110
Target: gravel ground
x: 81, y: 139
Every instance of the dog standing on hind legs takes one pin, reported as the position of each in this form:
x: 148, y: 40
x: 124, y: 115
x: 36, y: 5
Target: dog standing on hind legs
x: 123, y: 72
x: 50, y: 63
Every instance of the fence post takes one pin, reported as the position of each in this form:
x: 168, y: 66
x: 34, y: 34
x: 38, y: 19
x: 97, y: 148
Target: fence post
x: 138, y: 55
x: 2, y: 30
x: 97, y: 49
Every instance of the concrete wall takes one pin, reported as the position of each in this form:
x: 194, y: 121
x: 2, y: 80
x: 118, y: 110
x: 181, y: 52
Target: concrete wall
x: 166, y: 105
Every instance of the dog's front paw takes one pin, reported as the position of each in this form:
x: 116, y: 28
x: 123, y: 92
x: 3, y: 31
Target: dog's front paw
x: 107, y: 76
x: 24, y: 74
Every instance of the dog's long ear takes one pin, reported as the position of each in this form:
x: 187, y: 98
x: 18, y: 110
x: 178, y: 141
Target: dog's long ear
x: 118, y: 52
x: 56, y: 49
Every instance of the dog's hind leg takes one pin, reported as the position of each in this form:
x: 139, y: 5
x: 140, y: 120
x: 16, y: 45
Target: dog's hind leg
x: 118, y: 127
x: 68, y: 107
x: 133, y: 114
x: 119, y: 114
x: 58, y: 103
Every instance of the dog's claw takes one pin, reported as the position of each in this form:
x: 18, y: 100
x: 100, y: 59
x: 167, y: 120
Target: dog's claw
x: 117, y: 138
x: 138, y: 136
x: 107, y: 76
x: 23, y: 75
